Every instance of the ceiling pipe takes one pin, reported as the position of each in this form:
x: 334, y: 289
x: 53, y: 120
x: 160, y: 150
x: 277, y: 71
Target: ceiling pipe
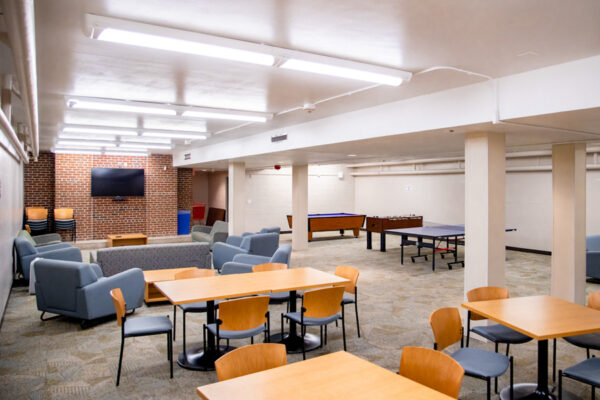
x: 20, y: 22
x: 12, y: 136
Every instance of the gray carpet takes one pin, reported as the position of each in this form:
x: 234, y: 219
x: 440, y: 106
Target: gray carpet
x: 56, y: 359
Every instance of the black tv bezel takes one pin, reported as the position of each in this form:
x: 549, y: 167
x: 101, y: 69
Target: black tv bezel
x: 118, y: 196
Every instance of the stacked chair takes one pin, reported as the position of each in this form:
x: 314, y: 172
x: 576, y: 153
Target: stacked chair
x: 36, y: 218
x: 64, y: 219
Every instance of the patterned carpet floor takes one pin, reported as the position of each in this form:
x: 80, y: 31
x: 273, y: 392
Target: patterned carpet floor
x: 58, y: 360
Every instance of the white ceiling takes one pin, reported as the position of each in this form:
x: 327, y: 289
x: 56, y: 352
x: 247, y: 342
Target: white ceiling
x: 491, y: 37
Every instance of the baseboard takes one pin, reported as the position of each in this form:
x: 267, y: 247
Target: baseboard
x: 524, y: 250
x: 285, y: 232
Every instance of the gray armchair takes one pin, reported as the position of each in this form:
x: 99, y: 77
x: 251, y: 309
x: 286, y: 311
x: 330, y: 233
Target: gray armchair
x: 262, y: 244
x: 79, y: 290
x: 237, y: 240
x: 247, y: 261
x: 592, y: 256
x: 26, y: 252
x: 210, y: 234
x: 41, y: 240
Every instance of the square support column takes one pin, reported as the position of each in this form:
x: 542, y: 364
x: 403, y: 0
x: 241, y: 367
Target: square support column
x: 485, y: 204
x: 237, y: 198
x: 568, y: 232
x: 300, y: 207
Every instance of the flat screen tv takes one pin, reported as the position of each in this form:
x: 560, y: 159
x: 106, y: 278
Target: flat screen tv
x: 117, y: 182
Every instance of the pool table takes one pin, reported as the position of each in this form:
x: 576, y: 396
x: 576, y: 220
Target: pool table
x: 333, y: 222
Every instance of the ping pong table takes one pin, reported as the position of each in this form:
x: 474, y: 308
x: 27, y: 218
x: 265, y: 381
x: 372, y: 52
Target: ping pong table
x: 451, y: 235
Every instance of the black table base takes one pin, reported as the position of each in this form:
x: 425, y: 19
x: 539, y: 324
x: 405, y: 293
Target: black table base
x: 293, y: 343
x: 198, y: 360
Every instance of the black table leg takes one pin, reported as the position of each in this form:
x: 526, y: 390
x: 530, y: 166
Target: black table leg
x: 433, y: 255
x: 539, y: 391
x: 382, y: 241
x: 369, y: 246
x: 292, y: 341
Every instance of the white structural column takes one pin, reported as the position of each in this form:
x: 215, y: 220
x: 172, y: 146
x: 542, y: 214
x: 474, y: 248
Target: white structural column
x: 237, y: 197
x: 485, y: 203
x: 300, y: 207
x: 568, y: 237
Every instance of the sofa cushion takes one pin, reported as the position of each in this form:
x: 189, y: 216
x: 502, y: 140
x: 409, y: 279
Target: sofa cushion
x: 201, y: 237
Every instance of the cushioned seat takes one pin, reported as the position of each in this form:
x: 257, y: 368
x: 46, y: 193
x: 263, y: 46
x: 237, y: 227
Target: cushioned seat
x: 587, y: 341
x: 295, y: 316
x: 501, y: 333
x: 224, y: 334
x: 481, y: 363
x: 199, y: 306
x: 348, y: 298
x: 143, y: 326
x: 587, y: 371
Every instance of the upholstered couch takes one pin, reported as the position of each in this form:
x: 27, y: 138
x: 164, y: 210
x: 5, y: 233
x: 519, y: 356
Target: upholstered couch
x: 80, y: 290
x: 262, y: 244
x: 245, y: 262
x: 210, y: 234
x: 113, y: 260
x: 27, y: 252
x: 592, y: 255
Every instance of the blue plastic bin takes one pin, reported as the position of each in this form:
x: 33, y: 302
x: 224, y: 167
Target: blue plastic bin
x: 183, y: 222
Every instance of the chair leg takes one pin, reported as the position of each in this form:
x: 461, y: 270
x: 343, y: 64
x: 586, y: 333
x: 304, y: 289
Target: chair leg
x: 357, y: 323
x: 560, y: 376
x: 174, y: 323
x: 120, y: 360
x: 344, y: 328
x: 512, y: 389
x: 203, y: 338
x: 251, y: 340
x: 507, y: 348
x: 468, y: 327
x: 321, y: 331
x: 489, y: 396
x: 593, y: 392
x: 554, y: 361
x: 170, y: 353
x: 184, y: 329
x: 282, y: 326
x: 325, y: 334
x: 586, y: 350
x: 303, y: 345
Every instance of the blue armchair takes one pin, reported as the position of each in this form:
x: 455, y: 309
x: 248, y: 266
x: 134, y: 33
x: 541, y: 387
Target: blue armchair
x: 592, y: 256
x: 41, y: 240
x: 79, y: 290
x: 262, y: 244
x: 247, y: 261
x: 26, y: 252
x: 237, y: 240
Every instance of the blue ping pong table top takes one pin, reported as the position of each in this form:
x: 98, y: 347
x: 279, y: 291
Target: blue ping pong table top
x: 430, y: 231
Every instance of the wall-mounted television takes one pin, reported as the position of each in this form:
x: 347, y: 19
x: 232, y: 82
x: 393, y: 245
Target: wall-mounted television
x: 117, y: 182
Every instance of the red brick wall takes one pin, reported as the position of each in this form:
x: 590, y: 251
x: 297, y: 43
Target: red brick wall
x: 185, y: 197
x: 155, y: 214
x: 39, y: 183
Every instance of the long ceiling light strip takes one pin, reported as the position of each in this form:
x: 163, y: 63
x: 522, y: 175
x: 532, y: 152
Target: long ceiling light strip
x: 174, y: 135
x: 76, y: 151
x: 144, y: 146
x: 145, y: 140
x: 98, y: 131
x: 120, y: 106
x: 126, y: 153
x: 223, y: 115
x: 157, y: 37
x: 82, y: 143
x: 85, y: 136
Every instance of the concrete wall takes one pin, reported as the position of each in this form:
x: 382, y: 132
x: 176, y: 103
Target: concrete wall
x: 217, y: 189
x: 11, y: 218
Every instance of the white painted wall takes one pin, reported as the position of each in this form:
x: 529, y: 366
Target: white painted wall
x: 11, y: 218
x: 269, y: 194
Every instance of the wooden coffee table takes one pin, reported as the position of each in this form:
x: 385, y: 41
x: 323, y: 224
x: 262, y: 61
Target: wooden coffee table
x: 152, y: 294
x: 126, y: 239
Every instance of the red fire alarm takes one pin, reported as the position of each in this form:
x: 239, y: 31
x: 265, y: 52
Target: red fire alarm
x: 277, y: 166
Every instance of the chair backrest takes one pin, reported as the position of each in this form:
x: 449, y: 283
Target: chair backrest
x: 250, y: 359
x: 269, y: 267
x: 194, y: 273
x: 262, y: 244
x: 486, y: 293
x: 219, y: 226
x: 232, y: 268
x: 24, y: 247
x: 433, y: 369
x: 282, y: 255
x: 594, y: 300
x: 243, y: 314
x: 350, y: 273
x: 271, y: 229
x: 36, y: 213
x: 27, y: 235
x: 322, y: 303
x: 63, y: 213
x: 214, y: 214
x: 119, y: 302
x: 446, y: 326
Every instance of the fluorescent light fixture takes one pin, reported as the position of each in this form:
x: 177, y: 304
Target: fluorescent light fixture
x: 144, y: 146
x: 122, y: 36
x: 174, y: 135
x: 77, y: 151
x: 84, y: 136
x: 145, y: 140
x: 343, y: 72
x: 351, y: 155
x: 84, y: 143
x: 118, y: 107
x: 125, y: 153
x: 223, y: 115
x: 98, y: 131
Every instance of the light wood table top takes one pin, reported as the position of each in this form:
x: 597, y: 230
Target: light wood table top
x: 128, y: 236
x: 157, y: 275
x: 227, y: 286
x: 338, y: 375
x: 539, y: 317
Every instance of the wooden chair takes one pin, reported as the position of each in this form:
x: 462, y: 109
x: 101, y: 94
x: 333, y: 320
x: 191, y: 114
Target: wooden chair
x: 589, y: 341
x: 197, y: 307
x: 250, y: 359
x: 482, y: 364
x: 320, y: 307
x: 141, y: 326
x: 433, y: 369
x: 64, y: 219
x: 269, y: 267
x: 240, y: 319
x: 36, y: 218
x: 351, y: 295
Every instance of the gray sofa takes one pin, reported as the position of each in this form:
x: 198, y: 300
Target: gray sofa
x: 113, y: 260
x: 79, y: 290
x: 210, y: 234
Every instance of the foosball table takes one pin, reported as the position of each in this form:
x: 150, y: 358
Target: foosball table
x: 380, y: 224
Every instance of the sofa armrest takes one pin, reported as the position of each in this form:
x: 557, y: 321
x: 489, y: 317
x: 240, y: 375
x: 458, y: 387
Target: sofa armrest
x: 223, y: 252
x: 201, y: 228
x: 219, y: 237
x: 95, y: 298
x: 97, y: 270
x: 234, y: 240
x: 65, y: 254
x: 251, y: 259
x: 49, y: 238
x: 50, y: 247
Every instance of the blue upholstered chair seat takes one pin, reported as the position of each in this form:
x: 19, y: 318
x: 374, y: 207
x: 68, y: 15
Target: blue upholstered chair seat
x: 279, y: 296
x: 501, y: 334
x: 295, y: 316
x: 143, y: 326
x: 199, y: 306
x: 348, y: 298
x: 225, y: 334
x: 481, y: 363
x: 587, y: 371
x: 587, y: 341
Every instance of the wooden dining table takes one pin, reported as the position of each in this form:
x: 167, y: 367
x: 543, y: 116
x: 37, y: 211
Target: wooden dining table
x: 213, y: 288
x: 541, y: 318
x: 338, y: 375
